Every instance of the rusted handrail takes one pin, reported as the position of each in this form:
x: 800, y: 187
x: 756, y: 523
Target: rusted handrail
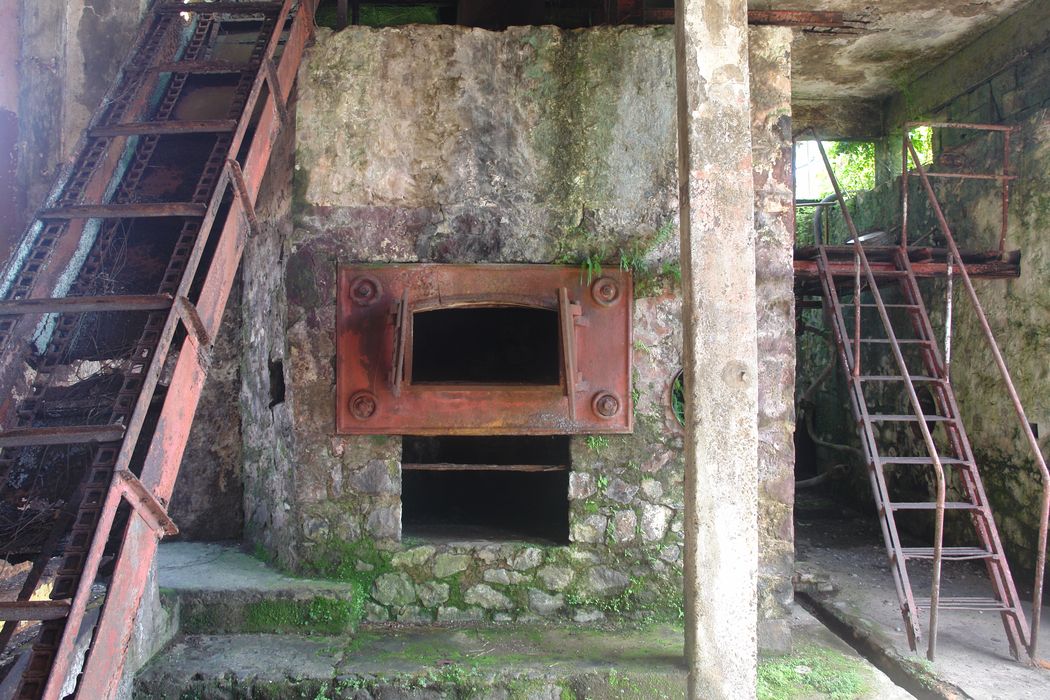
x: 1037, y: 594
x: 861, y: 260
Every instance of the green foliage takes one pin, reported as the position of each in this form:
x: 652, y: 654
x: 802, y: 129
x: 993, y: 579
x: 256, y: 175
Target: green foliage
x: 811, y: 670
x: 649, y: 278
x: 591, y: 268
x: 922, y: 140
x: 853, y: 163
x: 678, y: 398
x: 597, y: 444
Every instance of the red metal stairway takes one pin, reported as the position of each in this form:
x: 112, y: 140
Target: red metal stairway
x: 897, y: 376
x: 110, y: 306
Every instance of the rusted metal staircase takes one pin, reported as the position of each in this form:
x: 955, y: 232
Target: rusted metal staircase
x: 897, y: 375
x: 110, y: 307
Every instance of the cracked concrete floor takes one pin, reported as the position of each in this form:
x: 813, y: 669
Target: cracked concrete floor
x: 972, y: 652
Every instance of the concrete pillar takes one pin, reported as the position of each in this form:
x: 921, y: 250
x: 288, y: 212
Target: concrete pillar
x: 718, y: 275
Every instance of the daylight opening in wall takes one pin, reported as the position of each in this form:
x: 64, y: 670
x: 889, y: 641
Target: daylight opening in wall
x: 506, y: 488
x: 853, y: 163
x: 486, y: 345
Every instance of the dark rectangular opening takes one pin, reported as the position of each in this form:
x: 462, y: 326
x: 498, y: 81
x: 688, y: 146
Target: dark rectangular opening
x: 548, y: 450
x: 486, y: 345
x: 486, y: 488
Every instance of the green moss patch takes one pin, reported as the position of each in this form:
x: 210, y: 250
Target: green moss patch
x: 810, y: 671
x: 318, y: 616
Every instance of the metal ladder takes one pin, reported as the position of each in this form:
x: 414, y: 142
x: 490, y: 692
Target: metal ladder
x: 117, y: 441
x: 953, y: 449
x: 916, y: 366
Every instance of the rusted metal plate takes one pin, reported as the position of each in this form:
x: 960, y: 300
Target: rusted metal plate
x: 375, y: 389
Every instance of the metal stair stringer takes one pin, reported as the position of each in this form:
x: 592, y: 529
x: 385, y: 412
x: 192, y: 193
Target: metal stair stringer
x: 183, y: 316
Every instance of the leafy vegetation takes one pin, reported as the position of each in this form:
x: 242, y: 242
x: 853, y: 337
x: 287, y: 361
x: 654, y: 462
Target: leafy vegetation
x: 811, y: 670
x: 678, y: 398
x: 597, y: 443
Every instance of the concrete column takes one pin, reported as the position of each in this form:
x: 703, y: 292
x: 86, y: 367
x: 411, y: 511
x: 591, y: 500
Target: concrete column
x: 718, y: 276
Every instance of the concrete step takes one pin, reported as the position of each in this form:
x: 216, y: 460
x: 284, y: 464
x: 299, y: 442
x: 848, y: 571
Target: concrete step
x: 513, y: 661
x: 218, y: 589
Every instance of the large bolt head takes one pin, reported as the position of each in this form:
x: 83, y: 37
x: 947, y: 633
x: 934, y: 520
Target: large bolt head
x: 605, y: 405
x: 605, y: 291
x: 365, y: 290
x: 363, y: 405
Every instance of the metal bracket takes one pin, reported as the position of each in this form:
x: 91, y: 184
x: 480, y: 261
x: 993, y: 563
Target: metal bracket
x: 567, y: 316
x: 237, y: 177
x: 145, y: 504
x: 192, y: 320
x: 270, y: 71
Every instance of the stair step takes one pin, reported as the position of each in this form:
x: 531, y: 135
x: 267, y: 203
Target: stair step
x: 200, y: 67
x: 906, y: 418
x: 930, y: 505
x: 888, y: 306
x: 224, y: 8
x: 948, y: 553
x: 878, y: 274
x: 143, y: 302
x: 897, y: 378
x: 169, y: 127
x: 34, y: 610
x: 126, y: 211
x: 61, y: 435
x: 974, y: 604
x: 921, y: 460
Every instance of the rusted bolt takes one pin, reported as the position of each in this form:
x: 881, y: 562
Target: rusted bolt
x: 605, y: 404
x: 363, y: 405
x: 605, y: 291
x: 365, y: 290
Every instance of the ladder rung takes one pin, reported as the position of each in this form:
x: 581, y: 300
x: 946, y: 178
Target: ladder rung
x: 174, y: 126
x: 897, y: 378
x: 930, y: 505
x: 200, y: 67
x: 61, y: 435
x: 920, y: 460
x: 905, y: 418
x: 34, y: 610
x: 126, y: 211
x: 225, y: 8
x: 876, y: 273
x: 948, y: 553
x: 975, y: 604
x: 887, y: 306
x: 905, y: 341
x: 143, y: 302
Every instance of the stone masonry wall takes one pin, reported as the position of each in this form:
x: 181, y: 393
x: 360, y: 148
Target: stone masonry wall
x: 534, y: 145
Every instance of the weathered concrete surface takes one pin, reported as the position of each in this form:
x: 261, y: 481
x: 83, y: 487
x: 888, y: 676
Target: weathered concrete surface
x: 771, y: 119
x: 70, y: 54
x: 972, y: 654
x: 530, y: 662
x: 895, y: 41
x: 223, y: 567
x: 719, y: 330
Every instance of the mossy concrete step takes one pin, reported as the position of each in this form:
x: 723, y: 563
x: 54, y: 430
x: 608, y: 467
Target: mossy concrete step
x: 553, y: 663
x: 513, y: 662
x: 216, y: 589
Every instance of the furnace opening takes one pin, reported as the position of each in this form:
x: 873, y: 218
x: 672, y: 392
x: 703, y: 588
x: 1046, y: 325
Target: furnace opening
x: 486, y: 345
x: 486, y: 488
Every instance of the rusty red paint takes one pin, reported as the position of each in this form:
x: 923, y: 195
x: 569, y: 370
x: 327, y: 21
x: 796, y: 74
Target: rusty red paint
x: 375, y: 392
